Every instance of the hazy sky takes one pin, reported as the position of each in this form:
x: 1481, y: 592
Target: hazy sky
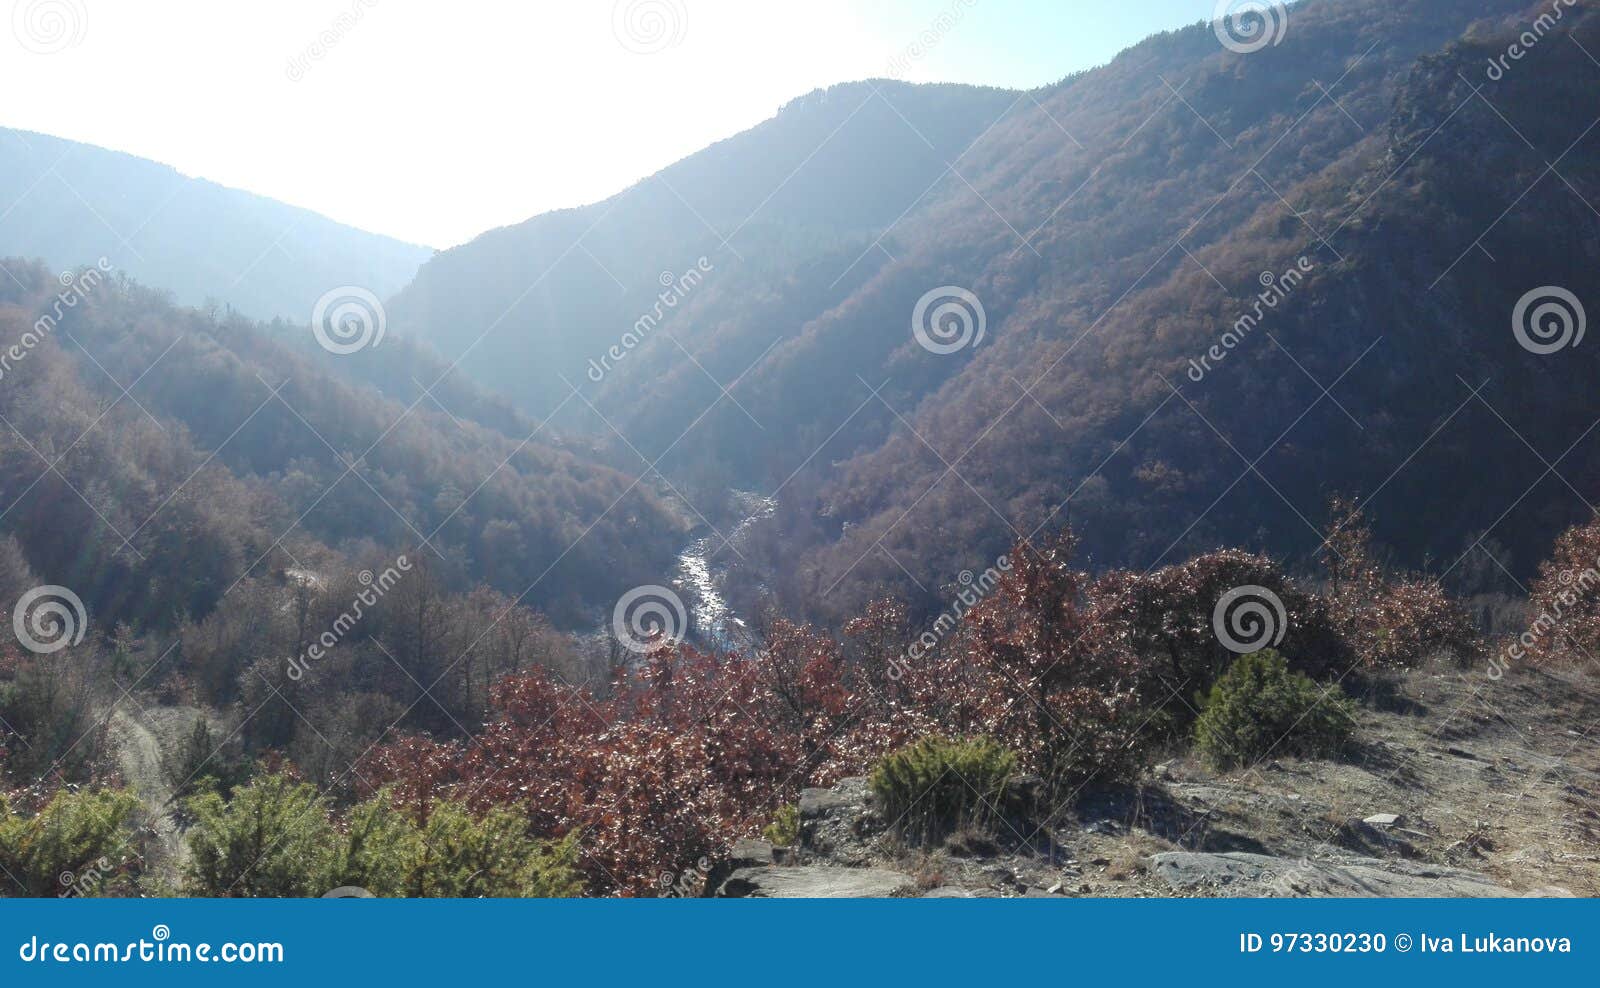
x: 436, y: 121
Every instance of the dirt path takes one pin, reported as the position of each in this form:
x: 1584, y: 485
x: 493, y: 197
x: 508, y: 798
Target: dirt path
x: 141, y: 761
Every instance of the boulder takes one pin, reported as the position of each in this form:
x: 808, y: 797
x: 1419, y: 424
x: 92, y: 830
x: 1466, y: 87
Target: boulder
x: 839, y: 824
x: 751, y: 853
x: 1024, y: 795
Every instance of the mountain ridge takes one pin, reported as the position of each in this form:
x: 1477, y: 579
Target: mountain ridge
x: 72, y: 203
x: 1112, y: 226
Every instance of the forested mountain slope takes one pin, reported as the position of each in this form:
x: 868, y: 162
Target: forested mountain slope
x: 71, y: 204
x: 230, y: 454
x: 1391, y: 188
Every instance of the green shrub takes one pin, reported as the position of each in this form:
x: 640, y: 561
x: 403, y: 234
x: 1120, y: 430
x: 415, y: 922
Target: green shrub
x: 201, y: 765
x: 73, y: 845
x: 277, y: 838
x: 470, y: 857
x: 272, y: 839
x: 380, y: 850
x: 1260, y: 706
x: 784, y: 830
x: 938, y: 785
x: 50, y: 706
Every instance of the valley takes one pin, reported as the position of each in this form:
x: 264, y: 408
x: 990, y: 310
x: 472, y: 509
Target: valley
x: 1177, y: 479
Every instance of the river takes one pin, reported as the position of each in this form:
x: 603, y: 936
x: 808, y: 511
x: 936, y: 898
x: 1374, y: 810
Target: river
x: 701, y: 576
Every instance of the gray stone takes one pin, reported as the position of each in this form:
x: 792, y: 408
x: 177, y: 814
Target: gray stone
x: 1024, y: 794
x: 1384, y: 820
x: 751, y: 853
x: 839, y: 824
x: 1241, y: 874
x: 814, y: 882
x: 1260, y: 875
x: 849, y: 796
x: 948, y: 892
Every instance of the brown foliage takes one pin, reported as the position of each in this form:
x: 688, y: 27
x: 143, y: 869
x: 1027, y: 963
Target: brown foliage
x: 1564, y: 606
x: 689, y: 750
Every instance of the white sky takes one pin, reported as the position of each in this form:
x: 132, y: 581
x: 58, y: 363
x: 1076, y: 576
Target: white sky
x: 434, y: 121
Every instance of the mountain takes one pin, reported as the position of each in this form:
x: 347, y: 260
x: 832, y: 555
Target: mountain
x: 524, y: 306
x: 72, y: 204
x: 154, y: 458
x: 1340, y: 225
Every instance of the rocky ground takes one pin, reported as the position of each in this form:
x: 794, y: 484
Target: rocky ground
x: 1460, y: 786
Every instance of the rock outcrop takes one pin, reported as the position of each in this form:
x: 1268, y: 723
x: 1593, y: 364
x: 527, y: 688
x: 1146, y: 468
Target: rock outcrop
x: 815, y: 882
x: 1239, y: 874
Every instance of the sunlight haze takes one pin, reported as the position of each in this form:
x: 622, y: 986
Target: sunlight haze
x: 435, y: 122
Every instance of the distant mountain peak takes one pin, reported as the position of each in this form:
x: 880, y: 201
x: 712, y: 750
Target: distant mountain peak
x: 70, y: 203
